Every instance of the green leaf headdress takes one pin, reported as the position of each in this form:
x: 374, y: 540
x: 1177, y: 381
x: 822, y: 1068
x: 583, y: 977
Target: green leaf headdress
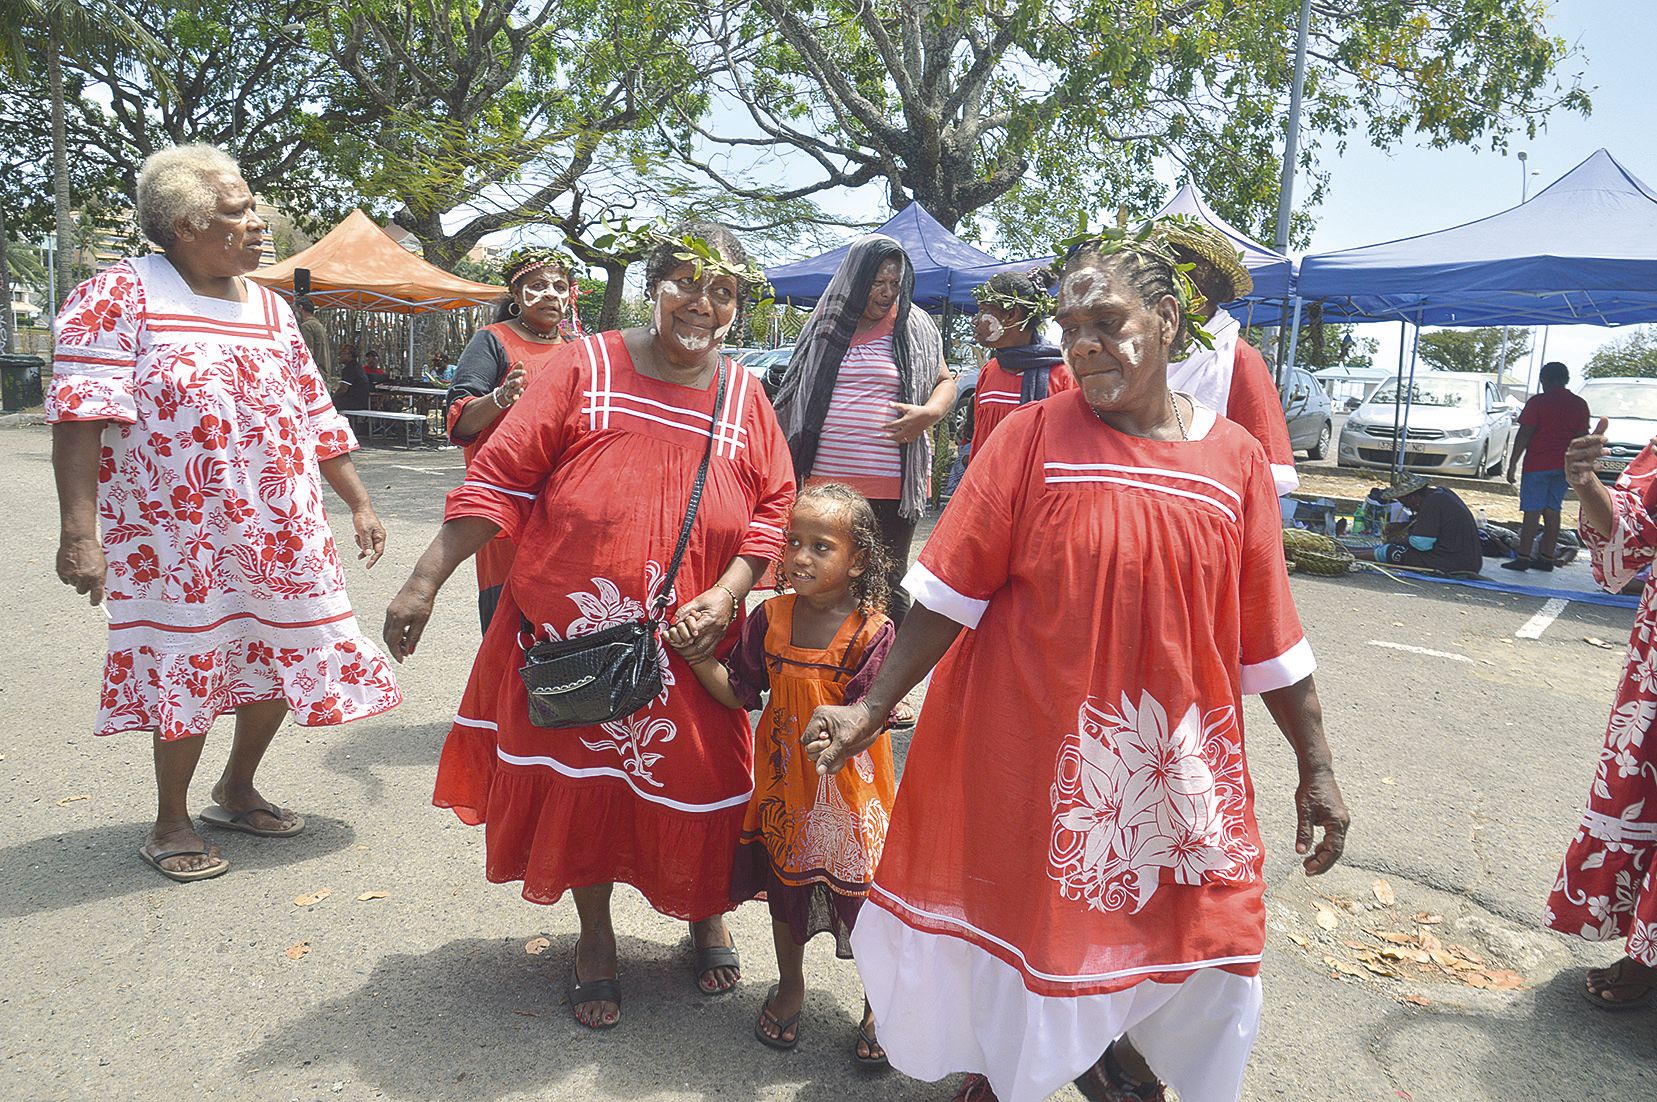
x: 1162, y: 239
x: 1037, y: 303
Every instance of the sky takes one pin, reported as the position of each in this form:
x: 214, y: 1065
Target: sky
x: 1375, y: 196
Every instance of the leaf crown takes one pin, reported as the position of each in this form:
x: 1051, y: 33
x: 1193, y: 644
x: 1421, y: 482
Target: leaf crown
x: 1159, y: 241
x: 996, y: 293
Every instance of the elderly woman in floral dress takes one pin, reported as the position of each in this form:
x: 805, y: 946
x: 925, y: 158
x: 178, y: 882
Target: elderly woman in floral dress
x: 191, y: 425
x: 1606, y: 887
x: 1072, y: 881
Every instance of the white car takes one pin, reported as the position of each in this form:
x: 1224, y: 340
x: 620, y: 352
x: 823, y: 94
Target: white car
x: 1460, y: 423
x: 1631, y: 407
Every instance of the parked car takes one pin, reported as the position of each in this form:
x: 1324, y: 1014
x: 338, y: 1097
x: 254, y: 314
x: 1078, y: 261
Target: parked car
x: 960, y: 414
x: 1458, y: 422
x: 1309, y: 412
x: 1631, y: 407
x: 769, y: 365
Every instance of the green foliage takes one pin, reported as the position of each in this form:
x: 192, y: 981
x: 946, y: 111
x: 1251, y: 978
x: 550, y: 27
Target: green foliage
x: 1474, y: 349
x: 1041, y: 116
x: 1631, y: 355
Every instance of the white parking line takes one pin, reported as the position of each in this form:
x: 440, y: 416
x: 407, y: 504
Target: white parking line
x: 419, y: 470
x: 1419, y: 650
x: 1536, y: 625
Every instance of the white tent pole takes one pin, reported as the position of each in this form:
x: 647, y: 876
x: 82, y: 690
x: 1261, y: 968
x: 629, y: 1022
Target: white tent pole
x: 1294, y: 341
x: 1409, y: 399
x: 1397, y: 402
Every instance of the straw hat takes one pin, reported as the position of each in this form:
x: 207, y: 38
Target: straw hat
x: 1403, y: 488
x: 1199, y: 243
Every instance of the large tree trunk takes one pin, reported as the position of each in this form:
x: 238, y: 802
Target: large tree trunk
x: 8, y: 323
x: 60, y: 275
x: 614, y: 273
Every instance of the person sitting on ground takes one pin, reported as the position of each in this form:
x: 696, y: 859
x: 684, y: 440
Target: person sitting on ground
x: 1442, y: 536
x: 1023, y: 367
x: 1550, y: 421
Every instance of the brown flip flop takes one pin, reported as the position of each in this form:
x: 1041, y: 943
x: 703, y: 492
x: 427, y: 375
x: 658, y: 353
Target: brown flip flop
x: 214, y: 815
x: 187, y: 875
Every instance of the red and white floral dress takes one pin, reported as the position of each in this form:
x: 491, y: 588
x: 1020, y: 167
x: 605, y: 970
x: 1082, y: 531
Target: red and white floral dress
x: 1606, y: 887
x: 1074, y: 854
x: 224, y: 584
x: 590, y: 475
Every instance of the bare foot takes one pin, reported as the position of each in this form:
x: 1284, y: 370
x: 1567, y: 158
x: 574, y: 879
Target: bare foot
x: 1625, y: 983
x: 706, y: 934
x: 181, y: 835
x: 238, y: 800
x: 596, y: 960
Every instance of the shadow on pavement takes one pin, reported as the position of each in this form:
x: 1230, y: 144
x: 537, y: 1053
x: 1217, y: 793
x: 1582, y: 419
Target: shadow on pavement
x: 102, y: 862
x: 364, y: 749
x: 1556, y: 1047
x: 480, y: 1019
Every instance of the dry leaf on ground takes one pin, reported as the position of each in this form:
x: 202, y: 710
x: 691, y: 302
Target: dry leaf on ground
x: 67, y: 800
x: 1327, y: 918
x: 366, y: 896
x: 297, y: 951
x: 1418, y: 1000
x: 535, y: 946
x: 313, y: 898
x: 1383, y: 893
x: 1388, y: 780
x: 1426, y: 918
x: 1300, y: 939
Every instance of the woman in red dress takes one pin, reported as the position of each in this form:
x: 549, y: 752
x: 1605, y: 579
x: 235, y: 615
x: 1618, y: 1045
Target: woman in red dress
x: 495, y: 367
x: 1073, y: 860
x: 1605, y: 887
x: 591, y: 475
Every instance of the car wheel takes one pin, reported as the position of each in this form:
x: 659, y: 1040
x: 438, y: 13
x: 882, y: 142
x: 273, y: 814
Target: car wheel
x: 1321, y: 448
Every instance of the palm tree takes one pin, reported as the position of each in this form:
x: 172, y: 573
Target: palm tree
x: 65, y: 26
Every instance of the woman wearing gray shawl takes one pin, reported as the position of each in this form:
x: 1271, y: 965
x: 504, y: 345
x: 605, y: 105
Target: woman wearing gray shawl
x: 867, y: 381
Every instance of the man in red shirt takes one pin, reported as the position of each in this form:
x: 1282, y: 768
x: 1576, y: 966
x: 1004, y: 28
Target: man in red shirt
x: 1550, y: 421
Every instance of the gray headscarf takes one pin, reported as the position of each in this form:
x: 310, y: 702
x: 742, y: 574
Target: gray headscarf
x: 802, y: 403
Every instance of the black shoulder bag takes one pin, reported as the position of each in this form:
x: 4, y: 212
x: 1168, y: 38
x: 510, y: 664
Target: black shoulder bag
x: 611, y: 674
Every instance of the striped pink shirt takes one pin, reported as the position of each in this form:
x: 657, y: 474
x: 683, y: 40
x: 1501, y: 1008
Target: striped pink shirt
x: 852, y: 449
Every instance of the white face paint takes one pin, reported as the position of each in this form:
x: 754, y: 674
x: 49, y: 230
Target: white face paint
x: 690, y: 339
x: 534, y: 296
x: 989, y: 327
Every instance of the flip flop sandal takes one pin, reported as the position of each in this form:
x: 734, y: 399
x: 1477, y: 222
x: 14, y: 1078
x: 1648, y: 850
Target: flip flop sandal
x: 976, y: 1088
x: 1614, y: 974
x: 872, y: 1063
x: 593, y: 991
x: 185, y: 876
x: 902, y: 722
x: 782, y: 1026
x: 214, y: 815
x: 715, y: 956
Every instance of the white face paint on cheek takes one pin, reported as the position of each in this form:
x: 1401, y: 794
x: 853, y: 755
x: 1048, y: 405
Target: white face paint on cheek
x: 993, y: 329
x: 533, y: 297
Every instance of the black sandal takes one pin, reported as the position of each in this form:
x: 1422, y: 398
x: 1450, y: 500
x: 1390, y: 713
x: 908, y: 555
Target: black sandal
x: 711, y: 958
x: 593, y: 991
x: 1105, y: 1081
x: 780, y: 1042
x: 873, y: 1063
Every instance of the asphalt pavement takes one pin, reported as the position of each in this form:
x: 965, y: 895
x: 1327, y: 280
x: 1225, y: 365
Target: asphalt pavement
x: 1464, y: 751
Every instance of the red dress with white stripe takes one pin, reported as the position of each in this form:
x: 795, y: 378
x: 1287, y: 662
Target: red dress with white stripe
x: 998, y: 392
x: 590, y: 476
x: 224, y: 585
x: 1233, y: 378
x: 1074, y: 846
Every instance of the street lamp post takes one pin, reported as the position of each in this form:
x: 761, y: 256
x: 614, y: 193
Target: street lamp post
x: 50, y: 244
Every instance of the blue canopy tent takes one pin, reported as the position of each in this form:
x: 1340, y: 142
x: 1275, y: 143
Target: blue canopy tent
x: 1582, y: 251
x: 938, y: 255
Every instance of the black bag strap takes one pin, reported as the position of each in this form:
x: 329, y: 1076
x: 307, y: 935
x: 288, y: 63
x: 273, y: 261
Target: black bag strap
x: 666, y: 592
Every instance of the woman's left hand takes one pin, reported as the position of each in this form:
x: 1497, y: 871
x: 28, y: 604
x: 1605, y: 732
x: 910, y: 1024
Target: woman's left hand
x: 707, y: 615
x: 910, y: 423
x: 370, y: 535
x: 1318, y: 803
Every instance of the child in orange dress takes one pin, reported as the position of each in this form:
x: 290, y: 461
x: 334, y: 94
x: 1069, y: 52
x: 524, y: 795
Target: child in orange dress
x: 810, y: 843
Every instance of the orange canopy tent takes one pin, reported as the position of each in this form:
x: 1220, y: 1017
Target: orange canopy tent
x: 359, y: 267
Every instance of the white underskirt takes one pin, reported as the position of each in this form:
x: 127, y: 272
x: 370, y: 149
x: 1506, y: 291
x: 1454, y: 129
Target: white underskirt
x: 943, y: 1005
